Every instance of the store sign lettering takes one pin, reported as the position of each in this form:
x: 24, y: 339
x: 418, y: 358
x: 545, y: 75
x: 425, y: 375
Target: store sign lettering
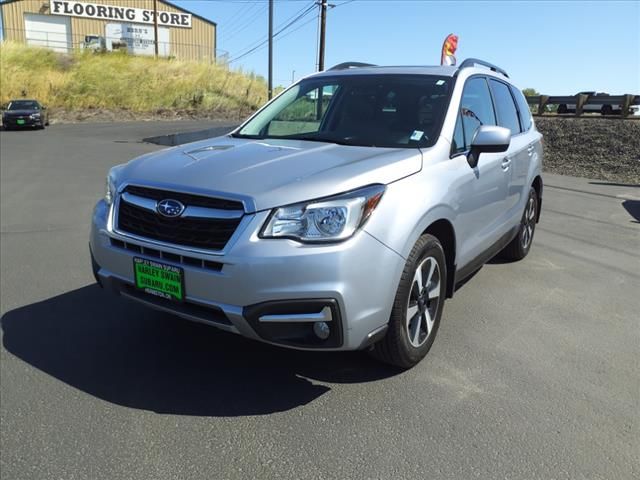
x: 110, y: 12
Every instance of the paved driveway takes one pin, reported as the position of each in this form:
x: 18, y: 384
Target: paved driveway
x: 534, y: 374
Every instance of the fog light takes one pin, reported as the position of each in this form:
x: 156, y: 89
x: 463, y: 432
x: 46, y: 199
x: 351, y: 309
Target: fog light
x: 322, y: 330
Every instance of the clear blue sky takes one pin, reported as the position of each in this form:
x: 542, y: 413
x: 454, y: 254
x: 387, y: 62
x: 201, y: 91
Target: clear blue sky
x: 556, y: 47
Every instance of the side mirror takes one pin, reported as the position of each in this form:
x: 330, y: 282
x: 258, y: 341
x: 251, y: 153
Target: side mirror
x: 488, y: 139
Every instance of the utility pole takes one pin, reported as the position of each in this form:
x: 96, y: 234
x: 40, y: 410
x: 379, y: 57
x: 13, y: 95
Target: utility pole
x: 270, y: 49
x: 155, y: 25
x: 323, y: 28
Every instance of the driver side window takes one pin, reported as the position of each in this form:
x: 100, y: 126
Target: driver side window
x: 476, y: 109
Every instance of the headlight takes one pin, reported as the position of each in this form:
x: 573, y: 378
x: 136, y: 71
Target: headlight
x: 110, y: 189
x: 35, y: 115
x: 325, y: 220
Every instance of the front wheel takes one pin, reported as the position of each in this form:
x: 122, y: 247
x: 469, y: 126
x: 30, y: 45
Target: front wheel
x: 521, y: 244
x: 417, y: 307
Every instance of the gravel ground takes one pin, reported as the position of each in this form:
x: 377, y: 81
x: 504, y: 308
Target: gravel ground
x: 598, y: 148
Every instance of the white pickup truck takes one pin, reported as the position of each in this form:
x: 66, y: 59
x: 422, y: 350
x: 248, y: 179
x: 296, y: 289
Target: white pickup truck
x: 591, y: 107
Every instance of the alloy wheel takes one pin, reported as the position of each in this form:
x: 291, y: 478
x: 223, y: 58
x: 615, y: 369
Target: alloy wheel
x: 528, y: 222
x: 424, y: 299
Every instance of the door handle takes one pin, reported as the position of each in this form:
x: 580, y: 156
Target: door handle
x: 506, y: 161
x: 531, y: 149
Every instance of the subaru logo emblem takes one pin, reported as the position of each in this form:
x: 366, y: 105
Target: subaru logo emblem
x: 170, y: 208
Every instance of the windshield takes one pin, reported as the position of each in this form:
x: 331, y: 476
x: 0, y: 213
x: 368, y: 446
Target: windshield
x: 368, y: 110
x: 24, y: 105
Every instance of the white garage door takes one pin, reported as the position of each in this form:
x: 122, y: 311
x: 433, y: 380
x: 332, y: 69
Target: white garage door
x: 48, y: 31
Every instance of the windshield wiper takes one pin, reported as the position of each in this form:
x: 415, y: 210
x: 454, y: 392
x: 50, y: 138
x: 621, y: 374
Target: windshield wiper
x: 243, y: 135
x: 317, y: 138
x: 309, y: 138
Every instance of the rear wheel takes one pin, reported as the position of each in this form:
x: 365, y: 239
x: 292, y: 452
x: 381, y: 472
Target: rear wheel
x: 606, y: 110
x: 417, y: 307
x: 521, y: 244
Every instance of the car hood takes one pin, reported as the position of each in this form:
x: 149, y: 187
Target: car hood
x: 269, y: 173
x: 18, y: 113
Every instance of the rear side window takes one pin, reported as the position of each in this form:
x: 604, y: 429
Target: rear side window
x: 523, y: 109
x: 505, y: 108
x: 476, y: 109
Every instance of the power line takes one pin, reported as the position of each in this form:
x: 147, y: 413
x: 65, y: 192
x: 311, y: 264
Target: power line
x: 262, y: 39
x: 282, y: 29
x: 290, y: 32
x: 261, y: 45
x: 240, y: 14
x: 246, y: 25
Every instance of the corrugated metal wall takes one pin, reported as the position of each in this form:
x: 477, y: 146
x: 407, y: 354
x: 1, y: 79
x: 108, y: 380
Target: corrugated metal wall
x: 196, y: 43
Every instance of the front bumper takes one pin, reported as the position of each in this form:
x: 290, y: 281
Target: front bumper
x: 27, y: 122
x: 260, y: 278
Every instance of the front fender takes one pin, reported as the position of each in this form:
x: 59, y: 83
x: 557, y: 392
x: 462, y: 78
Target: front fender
x: 409, y: 207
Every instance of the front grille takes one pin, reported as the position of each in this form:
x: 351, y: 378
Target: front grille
x: 203, y: 233
x: 185, y: 198
x: 182, y: 259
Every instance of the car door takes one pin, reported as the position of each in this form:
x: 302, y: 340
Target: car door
x: 516, y: 158
x: 481, y: 192
x: 532, y: 140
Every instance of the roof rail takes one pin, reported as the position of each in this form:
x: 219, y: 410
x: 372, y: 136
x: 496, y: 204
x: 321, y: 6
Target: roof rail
x: 346, y: 65
x: 472, y: 62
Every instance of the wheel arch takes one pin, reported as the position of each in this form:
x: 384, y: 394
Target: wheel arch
x: 443, y: 230
x: 538, y: 186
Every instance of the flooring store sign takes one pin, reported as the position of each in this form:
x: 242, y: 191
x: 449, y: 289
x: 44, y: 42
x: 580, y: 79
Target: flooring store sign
x: 109, y: 12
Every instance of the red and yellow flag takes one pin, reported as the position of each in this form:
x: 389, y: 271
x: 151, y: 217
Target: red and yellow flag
x: 449, y: 48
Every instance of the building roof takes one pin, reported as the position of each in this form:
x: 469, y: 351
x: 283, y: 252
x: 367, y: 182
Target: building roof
x: 166, y: 2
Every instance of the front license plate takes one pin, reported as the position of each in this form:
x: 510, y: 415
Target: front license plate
x: 165, y: 281
x: 20, y: 122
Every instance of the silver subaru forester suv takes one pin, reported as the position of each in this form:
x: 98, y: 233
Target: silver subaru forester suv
x: 339, y: 216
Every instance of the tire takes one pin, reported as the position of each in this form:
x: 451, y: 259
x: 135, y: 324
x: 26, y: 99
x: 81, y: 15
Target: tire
x: 519, y: 247
x: 606, y: 110
x: 409, y: 338
x: 562, y: 108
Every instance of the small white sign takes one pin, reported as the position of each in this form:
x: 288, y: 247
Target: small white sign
x: 111, y: 12
x: 136, y: 38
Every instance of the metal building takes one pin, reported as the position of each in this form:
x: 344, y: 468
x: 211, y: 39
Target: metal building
x: 64, y: 25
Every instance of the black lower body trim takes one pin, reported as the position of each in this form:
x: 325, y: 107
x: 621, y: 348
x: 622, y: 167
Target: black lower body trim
x: 471, y: 268
x: 295, y: 334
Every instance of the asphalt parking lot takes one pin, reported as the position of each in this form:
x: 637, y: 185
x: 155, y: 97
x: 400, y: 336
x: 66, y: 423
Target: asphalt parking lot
x: 535, y: 373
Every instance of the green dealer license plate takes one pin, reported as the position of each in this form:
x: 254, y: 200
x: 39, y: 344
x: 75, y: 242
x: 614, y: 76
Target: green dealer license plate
x: 20, y: 122
x: 165, y: 281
